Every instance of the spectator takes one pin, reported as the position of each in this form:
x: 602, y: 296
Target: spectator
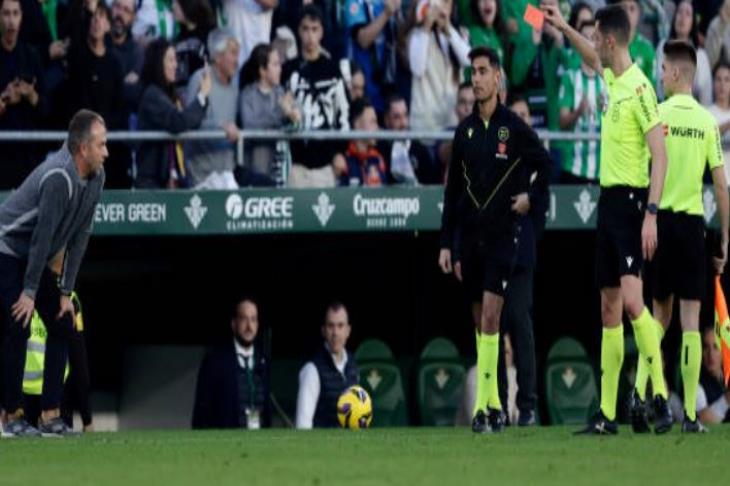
x: 212, y: 161
x: 536, y: 57
x: 365, y: 163
x: 196, y: 20
x: 408, y: 161
x: 45, y: 28
x: 154, y: 20
x: 356, y: 86
x: 162, y: 164
x: 487, y: 29
x: 372, y: 27
x: 582, y: 95
x: 23, y: 101
x: 464, y: 105
x: 334, y: 38
x: 265, y: 105
x: 330, y: 371
x: 705, y: 11
x: 718, y: 36
x: 640, y: 49
x: 233, y: 380
x: 129, y: 52
x: 437, y: 53
x: 95, y: 74
x: 250, y: 21
x: 713, y: 399
x: 721, y: 108
x: 318, y: 88
x: 519, y: 106
x: 95, y: 82
x: 684, y: 28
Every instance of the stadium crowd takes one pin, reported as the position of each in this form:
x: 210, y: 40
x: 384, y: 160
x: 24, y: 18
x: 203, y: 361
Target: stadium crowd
x: 314, y: 64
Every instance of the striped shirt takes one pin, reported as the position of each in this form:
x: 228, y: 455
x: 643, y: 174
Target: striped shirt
x: 582, y: 158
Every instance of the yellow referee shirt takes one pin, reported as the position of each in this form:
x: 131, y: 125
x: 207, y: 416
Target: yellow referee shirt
x: 630, y: 112
x: 692, y: 140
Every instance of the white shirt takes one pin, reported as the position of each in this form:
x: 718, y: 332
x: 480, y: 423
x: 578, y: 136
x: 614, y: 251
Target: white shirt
x: 309, y: 388
x: 148, y: 23
x: 250, y: 23
x: 244, y: 355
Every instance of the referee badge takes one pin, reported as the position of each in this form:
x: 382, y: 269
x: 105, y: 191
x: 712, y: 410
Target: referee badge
x: 503, y: 134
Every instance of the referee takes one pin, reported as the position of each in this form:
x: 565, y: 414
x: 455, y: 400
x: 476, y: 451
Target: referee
x: 627, y: 209
x: 693, y: 142
x: 492, y: 150
x: 48, y: 217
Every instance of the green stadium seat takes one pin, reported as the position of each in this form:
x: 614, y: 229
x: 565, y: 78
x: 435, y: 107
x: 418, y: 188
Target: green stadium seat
x: 381, y: 377
x: 440, y: 383
x: 572, y: 394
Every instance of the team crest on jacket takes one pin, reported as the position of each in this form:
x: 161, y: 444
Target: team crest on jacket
x: 503, y: 134
x: 470, y: 132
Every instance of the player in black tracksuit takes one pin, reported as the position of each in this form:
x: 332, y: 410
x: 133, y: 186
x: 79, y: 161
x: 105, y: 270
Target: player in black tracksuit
x: 492, y: 150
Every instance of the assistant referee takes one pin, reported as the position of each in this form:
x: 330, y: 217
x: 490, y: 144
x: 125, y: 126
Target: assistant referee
x: 492, y: 151
x: 693, y: 143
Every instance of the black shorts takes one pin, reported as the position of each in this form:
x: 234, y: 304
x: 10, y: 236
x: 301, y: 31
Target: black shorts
x: 679, y: 262
x: 618, y: 237
x: 488, y: 262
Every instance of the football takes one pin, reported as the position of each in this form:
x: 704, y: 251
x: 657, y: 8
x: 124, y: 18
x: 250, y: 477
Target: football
x: 354, y: 408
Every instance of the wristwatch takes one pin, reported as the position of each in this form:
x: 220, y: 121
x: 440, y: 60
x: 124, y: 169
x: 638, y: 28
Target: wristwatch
x: 651, y: 208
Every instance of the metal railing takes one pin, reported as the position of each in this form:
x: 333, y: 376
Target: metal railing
x: 273, y: 135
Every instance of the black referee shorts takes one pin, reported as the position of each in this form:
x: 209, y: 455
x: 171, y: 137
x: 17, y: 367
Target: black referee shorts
x: 487, y: 262
x: 679, y: 263
x: 618, y: 237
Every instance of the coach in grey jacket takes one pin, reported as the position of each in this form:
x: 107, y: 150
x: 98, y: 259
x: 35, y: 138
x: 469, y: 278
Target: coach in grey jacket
x: 47, y: 219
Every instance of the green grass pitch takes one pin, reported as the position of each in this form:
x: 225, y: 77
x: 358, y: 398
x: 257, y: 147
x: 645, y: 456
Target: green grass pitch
x: 422, y: 456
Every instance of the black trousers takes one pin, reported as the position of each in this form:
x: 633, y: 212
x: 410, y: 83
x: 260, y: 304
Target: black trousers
x: 47, y: 303
x: 517, y: 322
x: 76, y: 391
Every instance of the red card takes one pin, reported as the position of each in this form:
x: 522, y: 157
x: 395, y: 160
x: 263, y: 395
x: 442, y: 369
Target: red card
x: 534, y: 17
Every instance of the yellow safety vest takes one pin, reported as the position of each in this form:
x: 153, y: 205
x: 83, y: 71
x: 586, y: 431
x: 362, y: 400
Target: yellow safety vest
x: 35, y: 354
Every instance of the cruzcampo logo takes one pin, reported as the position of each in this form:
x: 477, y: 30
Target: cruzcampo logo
x: 503, y: 134
x: 585, y: 206
x: 323, y: 209
x: 196, y: 211
x: 708, y: 201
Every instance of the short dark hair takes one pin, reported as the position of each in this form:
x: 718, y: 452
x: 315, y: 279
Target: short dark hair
x: 79, y: 129
x: 312, y: 12
x: 393, y: 99
x: 464, y: 85
x: 615, y: 21
x: 241, y: 300
x: 677, y: 50
x: 333, y: 306
x: 358, y: 107
x: 488, y: 52
x: 515, y: 98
